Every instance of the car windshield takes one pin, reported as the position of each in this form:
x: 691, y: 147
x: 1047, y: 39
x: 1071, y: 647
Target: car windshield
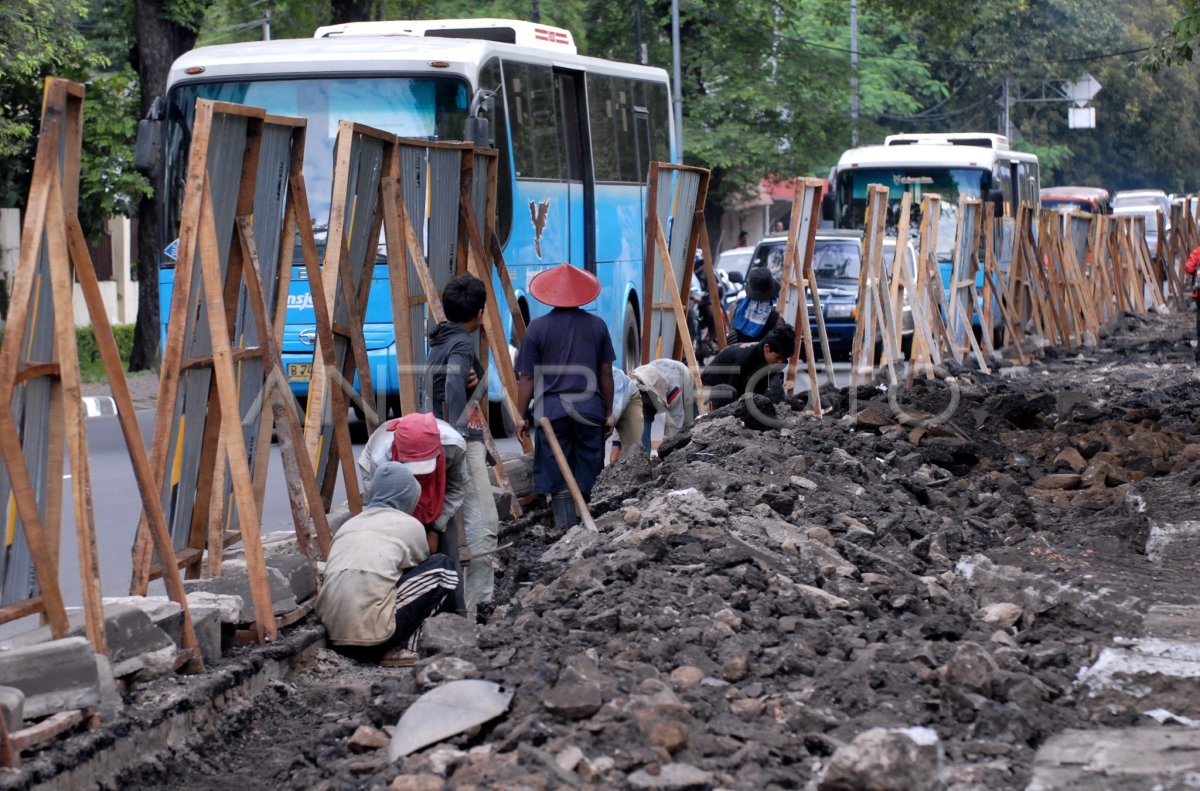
x: 419, y: 107
x: 950, y: 183
x: 732, y: 261
x: 833, y: 259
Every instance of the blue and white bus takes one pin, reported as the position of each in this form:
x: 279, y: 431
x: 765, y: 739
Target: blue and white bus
x: 970, y: 165
x: 575, y: 134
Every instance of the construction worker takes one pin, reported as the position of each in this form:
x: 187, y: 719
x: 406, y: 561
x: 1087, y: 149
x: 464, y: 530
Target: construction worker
x: 628, y: 410
x: 1190, y: 267
x: 381, y: 582
x: 746, y: 367
x: 436, y: 454
x: 454, y: 370
x: 667, y: 387
x: 565, y: 368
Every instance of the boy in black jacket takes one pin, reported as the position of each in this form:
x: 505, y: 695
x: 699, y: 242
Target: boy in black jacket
x: 453, y: 373
x: 746, y: 367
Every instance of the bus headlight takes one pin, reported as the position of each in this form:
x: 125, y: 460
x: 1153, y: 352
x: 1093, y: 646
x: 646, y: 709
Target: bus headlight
x: 839, y: 310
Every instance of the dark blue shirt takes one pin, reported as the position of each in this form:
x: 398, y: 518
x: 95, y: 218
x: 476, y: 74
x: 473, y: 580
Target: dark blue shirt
x: 563, y: 352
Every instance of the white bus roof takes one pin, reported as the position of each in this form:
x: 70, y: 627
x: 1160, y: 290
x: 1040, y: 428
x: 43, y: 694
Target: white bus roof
x: 303, y: 57
x: 980, y: 139
x: 927, y: 155
x: 509, y: 31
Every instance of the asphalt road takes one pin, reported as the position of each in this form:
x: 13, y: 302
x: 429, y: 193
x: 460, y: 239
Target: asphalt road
x: 116, y: 506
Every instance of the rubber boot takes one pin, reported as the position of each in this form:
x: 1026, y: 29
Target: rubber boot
x: 563, y: 508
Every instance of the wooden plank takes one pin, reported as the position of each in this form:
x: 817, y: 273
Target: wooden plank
x: 710, y: 274
x: 239, y: 469
x: 132, y: 434
x: 172, y: 352
x: 401, y: 299
x: 672, y: 288
x: 299, y: 477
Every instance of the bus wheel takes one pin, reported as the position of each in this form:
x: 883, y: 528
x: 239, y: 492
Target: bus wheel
x: 633, y: 339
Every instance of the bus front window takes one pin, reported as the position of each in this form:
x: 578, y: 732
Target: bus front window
x: 418, y: 107
x: 950, y: 183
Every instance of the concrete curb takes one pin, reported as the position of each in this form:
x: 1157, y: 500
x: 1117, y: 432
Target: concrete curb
x: 162, y: 721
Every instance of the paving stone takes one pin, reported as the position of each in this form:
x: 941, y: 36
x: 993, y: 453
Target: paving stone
x: 886, y: 759
x: 135, y: 644
x: 228, y: 606
x: 673, y: 776
x: 300, y: 574
x: 206, y: 622
x: 234, y: 580
x: 447, y: 633
x: 1121, y: 758
x: 55, y: 676
x: 12, y: 708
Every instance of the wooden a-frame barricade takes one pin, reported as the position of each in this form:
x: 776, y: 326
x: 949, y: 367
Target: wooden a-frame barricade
x: 874, y: 303
x: 675, y: 199
x: 380, y: 184
x: 928, y: 346
x: 995, y: 293
x: 964, y: 301
x: 40, y: 400
x: 221, y: 367
x: 799, y: 287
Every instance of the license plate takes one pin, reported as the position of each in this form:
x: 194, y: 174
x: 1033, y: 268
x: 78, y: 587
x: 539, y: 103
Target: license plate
x: 299, y: 372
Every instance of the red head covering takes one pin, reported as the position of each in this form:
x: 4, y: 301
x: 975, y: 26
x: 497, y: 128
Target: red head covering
x: 416, y: 441
x: 564, y: 286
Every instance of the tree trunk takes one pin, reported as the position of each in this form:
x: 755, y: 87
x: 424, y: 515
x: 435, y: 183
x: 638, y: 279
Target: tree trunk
x: 159, y: 42
x: 352, y: 10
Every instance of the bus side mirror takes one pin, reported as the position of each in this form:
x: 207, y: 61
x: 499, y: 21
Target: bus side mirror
x: 996, y: 198
x: 828, y: 206
x: 147, y: 153
x: 478, y: 131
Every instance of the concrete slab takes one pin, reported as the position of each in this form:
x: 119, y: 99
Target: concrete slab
x: 135, y: 644
x: 1146, y: 674
x: 12, y: 708
x: 1118, y: 759
x: 206, y: 621
x: 54, y: 676
x: 235, y: 581
x: 162, y: 612
x: 299, y: 572
x: 228, y: 606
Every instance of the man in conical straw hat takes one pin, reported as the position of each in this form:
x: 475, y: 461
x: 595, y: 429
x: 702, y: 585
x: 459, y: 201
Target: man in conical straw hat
x: 565, y: 365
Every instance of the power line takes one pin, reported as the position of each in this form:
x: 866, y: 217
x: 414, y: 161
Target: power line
x: 967, y: 61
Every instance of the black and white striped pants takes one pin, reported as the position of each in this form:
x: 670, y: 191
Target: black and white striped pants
x: 420, y: 594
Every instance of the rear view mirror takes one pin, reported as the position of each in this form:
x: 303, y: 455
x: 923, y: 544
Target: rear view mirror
x: 828, y: 206
x: 737, y: 277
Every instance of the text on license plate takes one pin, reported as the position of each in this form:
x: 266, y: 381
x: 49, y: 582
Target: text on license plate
x: 299, y: 372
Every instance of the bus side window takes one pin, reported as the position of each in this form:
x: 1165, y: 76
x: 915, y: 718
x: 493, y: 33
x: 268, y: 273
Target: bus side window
x: 490, y: 80
x: 659, y: 105
x: 533, y: 119
x: 603, y: 129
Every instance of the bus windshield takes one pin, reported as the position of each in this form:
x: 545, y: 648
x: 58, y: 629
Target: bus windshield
x: 950, y: 183
x: 420, y: 107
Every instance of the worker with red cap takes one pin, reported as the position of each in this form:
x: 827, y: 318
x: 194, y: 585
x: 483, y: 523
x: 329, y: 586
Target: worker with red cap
x: 565, y: 368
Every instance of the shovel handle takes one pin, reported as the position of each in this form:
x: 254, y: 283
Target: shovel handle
x: 580, y: 506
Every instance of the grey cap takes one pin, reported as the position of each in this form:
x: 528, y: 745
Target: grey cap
x: 394, y: 486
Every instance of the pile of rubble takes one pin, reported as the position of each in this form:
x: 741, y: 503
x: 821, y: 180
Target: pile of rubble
x: 876, y: 599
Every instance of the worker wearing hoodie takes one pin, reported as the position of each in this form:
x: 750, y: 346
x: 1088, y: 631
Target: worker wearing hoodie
x: 381, y: 583
x: 453, y: 375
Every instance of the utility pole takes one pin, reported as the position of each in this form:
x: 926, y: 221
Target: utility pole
x: 640, y: 54
x: 678, y: 79
x: 1006, y: 110
x: 266, y: 25
x: 854, y: 73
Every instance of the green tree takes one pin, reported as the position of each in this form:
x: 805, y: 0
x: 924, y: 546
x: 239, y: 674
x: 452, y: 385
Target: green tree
x: 40, y: 39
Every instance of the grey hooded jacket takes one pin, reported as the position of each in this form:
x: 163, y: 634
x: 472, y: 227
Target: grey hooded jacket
x: 370, y: 552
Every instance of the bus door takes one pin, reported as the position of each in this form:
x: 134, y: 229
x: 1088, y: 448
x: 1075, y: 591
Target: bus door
x: 576, y: 168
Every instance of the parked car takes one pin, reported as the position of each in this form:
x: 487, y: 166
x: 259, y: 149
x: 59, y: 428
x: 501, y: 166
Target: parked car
x: 1072, y: 199
x: 1149, y: 214
x: 735, y: 262
x: 837, y: 264
x: 1142, y: 198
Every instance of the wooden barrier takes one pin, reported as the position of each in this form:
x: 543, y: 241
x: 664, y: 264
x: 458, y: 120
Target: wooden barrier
x: 222, y: 388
